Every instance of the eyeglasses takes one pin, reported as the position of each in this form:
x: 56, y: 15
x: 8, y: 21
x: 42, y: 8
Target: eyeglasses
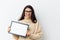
x: 28, y: 11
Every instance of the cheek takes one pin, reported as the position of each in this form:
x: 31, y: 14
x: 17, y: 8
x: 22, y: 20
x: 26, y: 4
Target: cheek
x: 25, y: 14
x: 30, y: 14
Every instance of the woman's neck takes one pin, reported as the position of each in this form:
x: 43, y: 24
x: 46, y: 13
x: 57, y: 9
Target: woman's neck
x: 27, y: 19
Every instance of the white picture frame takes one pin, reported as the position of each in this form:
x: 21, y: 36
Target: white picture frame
x: 19, y: 28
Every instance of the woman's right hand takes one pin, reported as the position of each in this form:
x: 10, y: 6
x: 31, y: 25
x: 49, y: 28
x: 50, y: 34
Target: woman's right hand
x: 28, y: 33
x: 9, y: 28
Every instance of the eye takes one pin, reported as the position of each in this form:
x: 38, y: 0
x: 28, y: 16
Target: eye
x: 28, y: 11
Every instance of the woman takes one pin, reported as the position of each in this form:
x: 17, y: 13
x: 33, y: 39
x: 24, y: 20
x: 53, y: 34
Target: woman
x: 28, y: 17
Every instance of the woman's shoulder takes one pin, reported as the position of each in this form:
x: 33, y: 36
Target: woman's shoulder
x: 37, y: 23
x: 22, y: 21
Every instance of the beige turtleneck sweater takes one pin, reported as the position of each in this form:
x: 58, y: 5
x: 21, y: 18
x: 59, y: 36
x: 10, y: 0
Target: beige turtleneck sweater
x: 34, y: 29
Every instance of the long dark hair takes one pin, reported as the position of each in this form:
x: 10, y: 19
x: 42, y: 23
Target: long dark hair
x: 33, y: 18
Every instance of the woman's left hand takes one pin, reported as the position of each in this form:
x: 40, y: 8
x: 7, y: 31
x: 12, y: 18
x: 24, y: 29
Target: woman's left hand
x: 28, y: 33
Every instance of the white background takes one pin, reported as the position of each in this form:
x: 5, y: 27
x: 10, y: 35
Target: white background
x: 47, y: 13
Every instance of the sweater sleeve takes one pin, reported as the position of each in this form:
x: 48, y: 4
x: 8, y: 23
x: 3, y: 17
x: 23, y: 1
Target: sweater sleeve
x: 37, y: 33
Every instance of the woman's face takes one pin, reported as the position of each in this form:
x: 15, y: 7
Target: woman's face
x: 28, y: 12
